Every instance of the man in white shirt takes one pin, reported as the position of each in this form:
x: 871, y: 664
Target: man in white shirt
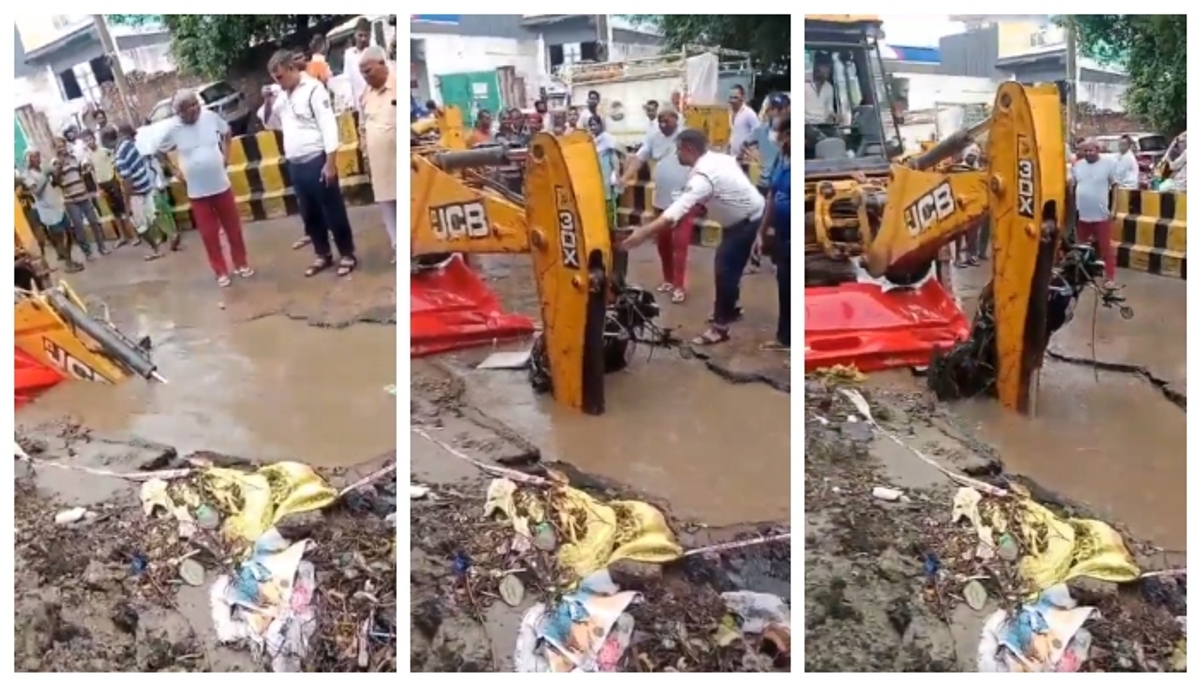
x: 1127, y: 165
x: 301, y: 109
x: 352, y: 57
x: 818, y: 93
x: 717, y: 183
x: 742, y: 122
x: 1093, y: 176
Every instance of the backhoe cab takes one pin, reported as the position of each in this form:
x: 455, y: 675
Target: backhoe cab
x: 861, y: 133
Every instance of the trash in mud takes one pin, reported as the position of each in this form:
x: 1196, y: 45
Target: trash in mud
x: 584, y: 573
x: 1055, y: 549
x: 840, y: 373
x: 1035, y: 585
x: 1044, y: 636
x: 70, y: 516
x: 577, y: 632
x: 136, y: 560
x: 506, y: 360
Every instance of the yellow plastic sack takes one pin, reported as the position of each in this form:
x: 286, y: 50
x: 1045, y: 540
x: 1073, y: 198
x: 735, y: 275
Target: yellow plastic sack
x: 255, y: 501
x: 1056, y: 550
x: 593, y: 534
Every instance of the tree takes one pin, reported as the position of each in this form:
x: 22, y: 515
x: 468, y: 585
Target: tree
x: 1153, y: 50
x: 209, y: 45
x: 768, y: 38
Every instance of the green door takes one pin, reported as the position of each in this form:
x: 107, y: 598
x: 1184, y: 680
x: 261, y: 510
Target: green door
x: 470, y: 92
x: 20, y: 145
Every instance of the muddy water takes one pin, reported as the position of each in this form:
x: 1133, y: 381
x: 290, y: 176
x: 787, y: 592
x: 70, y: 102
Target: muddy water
x: 718, y: 453
x: 1116, y: 444
x: 246, y: 374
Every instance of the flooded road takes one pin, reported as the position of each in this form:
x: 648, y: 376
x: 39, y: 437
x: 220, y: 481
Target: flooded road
x: 276, y: 367
x: 714, y: 451
x: 1113, y: 442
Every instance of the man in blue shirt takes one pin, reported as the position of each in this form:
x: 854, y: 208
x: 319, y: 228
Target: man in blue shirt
x: 138, y: 179
x: 778, y: 215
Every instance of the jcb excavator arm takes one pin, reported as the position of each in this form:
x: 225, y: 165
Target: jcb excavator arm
x: 1023, y: 191
x: 561, y: 222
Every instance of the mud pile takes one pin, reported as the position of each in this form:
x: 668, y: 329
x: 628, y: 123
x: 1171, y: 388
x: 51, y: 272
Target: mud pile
x: 886, y: 574
x: 114, y: 590
x: 462, y: 621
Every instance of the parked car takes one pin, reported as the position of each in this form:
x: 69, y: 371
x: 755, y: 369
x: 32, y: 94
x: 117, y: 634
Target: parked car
x: 220, y: 97
x: 1148, y: 148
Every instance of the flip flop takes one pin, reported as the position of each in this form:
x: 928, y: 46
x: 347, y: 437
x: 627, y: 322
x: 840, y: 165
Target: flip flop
x: 320, y: 265
x: 301, y: 243
x: 712, y: 336
x: 347, y: 265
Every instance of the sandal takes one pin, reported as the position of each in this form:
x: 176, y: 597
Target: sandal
x: 678, y: 296
x: 346, y: 265
x: 224, y: 281
x: 665, y: 287
x: 301, y: 243
x: 152, y: 256
x: 244, y: 272
x: 713, y: 336
x: 973, y: 261
x: 320, y: 265
x: 775, y: 346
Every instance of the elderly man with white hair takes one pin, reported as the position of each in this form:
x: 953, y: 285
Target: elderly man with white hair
x: 202, y: 140
x: 378, y: 126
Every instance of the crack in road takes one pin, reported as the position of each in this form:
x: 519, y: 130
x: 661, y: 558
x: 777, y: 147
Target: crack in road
x: 1176, y: 397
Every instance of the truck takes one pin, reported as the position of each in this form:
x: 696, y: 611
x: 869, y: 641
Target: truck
x: 625, y: 87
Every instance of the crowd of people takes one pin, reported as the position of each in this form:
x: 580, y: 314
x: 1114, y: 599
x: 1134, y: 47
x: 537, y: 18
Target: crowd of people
x: 196, y: 147
x: 690, y: 181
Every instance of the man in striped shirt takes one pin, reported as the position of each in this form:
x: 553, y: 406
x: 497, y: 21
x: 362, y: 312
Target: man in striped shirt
x: 138, y: 180
x: 80, y: 209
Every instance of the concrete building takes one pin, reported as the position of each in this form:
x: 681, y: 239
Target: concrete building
x: 60, y: 62
x: 505, y: 59
x: 1029, y: 49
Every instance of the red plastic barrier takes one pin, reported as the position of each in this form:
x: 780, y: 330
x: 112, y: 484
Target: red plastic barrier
x: 452, y: 309
x: 30, y: 377
x: 862, y: 325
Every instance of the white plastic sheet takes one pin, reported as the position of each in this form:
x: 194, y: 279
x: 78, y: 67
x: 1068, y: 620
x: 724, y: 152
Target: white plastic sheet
x: 702, y: 74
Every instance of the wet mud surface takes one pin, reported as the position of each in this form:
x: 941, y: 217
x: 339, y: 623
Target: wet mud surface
x: 711, y: 454
x: 872, y: 602
x: 105, y: 593
x: 277, y: 367
x: 1110, y: 448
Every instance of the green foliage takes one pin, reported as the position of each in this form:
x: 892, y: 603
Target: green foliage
x: 1153, y: 50
x: 210, y: 45
x: 768, y: 38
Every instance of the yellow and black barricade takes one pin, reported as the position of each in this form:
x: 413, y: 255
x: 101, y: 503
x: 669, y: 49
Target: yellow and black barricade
x: 1151, y: 231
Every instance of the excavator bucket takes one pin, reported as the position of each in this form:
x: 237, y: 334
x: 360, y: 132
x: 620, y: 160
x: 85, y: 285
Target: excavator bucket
x: 452, y: 309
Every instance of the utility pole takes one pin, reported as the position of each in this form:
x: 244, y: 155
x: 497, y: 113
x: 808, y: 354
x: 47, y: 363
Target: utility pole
x: 114, y: 63
x: 1072, y: 80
